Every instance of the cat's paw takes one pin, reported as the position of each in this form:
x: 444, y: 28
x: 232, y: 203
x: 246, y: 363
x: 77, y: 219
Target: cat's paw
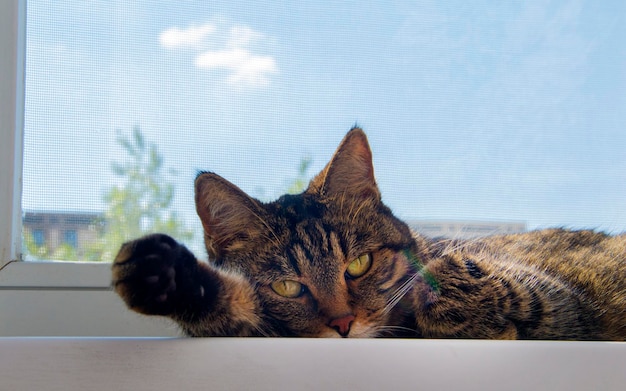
x: 154, y: 275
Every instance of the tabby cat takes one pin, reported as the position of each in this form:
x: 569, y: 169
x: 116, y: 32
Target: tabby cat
x: 335, y: 262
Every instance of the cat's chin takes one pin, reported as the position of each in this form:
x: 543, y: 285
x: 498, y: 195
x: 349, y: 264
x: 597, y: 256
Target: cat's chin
x: 358, y: 330
x: 365, y: 332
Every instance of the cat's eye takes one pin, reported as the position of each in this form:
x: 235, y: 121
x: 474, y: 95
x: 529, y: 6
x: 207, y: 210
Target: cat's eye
x: 288, y: 288
x: 359, y: 266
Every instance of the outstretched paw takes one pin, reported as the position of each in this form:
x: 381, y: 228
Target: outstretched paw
x: 154, y: 275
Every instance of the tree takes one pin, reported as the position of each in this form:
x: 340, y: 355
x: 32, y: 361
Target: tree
x: 299, y: 184
x: 141, y: 203
x: 138, y: 205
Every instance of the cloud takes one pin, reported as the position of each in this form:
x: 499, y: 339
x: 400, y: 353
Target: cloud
x: 192, y: 36
x: 243, y: 36
x: 244, y: 66
x: 233, y: 54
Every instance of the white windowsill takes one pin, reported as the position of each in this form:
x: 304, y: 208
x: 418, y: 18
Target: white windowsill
x: 70, y: 275
x: 68, y: 299
x: 307, y: 364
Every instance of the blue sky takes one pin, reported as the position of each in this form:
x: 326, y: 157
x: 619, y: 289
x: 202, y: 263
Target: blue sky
x: 482, y: 110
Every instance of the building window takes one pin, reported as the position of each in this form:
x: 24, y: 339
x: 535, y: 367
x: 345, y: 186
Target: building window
x: 39, y: 237
x: 70, y: 238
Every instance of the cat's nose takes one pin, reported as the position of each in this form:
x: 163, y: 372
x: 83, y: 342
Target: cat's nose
x: 342, y: 324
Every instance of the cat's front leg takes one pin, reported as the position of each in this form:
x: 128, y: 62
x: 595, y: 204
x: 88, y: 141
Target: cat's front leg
x: 458, y: 297
x: 155, y: 275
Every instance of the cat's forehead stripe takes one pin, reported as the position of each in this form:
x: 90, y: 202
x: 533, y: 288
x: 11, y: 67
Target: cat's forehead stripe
x: 336, y: 246
x: 313, y: 245
x: 298, y: 254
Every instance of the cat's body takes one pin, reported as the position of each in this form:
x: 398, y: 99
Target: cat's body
x: 334, y: 261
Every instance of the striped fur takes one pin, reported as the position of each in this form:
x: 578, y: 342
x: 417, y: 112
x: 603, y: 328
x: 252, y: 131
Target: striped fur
x: 552, y: 284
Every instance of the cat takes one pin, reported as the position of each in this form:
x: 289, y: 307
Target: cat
x: 334, y: 261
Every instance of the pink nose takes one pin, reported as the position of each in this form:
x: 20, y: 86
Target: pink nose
x: 342, y: 324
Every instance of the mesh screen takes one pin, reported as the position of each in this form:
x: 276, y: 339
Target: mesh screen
x: 477, y: 112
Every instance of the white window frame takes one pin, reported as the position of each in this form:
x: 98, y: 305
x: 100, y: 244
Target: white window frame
x: 38, y: 298
x: 43, y: 291
x: 12, y: 41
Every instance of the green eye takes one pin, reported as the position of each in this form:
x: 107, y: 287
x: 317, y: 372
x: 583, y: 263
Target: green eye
x: 288, y: 288
x: 359, y: 266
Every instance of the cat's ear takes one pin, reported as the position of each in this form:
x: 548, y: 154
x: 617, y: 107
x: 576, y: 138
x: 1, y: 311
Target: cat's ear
x: 229, y: 216
x: 350, y: 172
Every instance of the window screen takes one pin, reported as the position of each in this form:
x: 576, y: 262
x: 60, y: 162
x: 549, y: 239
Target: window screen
x: 482, y: 116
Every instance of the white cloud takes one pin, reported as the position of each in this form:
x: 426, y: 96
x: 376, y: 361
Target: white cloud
x: 244, y: 66
x: 192, y: 36
x: 233, y: 54
x: 243, y: 36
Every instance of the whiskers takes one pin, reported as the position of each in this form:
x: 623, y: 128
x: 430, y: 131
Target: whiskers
x: 400, y: 293
x: 386, y: 331
x: 449, y: 246
x: 269, y: 233
x: 261, y: 330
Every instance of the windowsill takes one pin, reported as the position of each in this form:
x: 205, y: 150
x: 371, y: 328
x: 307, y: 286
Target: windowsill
x: 68, y: 299
x: 302, y: 364
x: 70, y: 275
x: 61, y: 299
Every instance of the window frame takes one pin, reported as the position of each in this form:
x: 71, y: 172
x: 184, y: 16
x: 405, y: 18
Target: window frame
x: 48, y: 284
x: 14, y: 272
x: 12, y: 61
x: 45, y: 298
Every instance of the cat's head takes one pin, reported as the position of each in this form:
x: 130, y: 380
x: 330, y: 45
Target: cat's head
x: 328, y: 262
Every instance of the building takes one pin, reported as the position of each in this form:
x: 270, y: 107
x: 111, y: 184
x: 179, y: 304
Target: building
x: 77, y: 229
x: 465, y: 229
x: 53, y: 229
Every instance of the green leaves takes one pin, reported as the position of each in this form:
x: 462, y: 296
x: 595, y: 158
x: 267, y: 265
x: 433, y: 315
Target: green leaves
x: 140, y: 203
x: 300, y: 183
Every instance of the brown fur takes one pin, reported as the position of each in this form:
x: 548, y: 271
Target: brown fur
x: 551, y: 284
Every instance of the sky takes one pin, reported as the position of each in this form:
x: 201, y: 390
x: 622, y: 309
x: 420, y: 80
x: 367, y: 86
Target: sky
x: 482, y: 110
